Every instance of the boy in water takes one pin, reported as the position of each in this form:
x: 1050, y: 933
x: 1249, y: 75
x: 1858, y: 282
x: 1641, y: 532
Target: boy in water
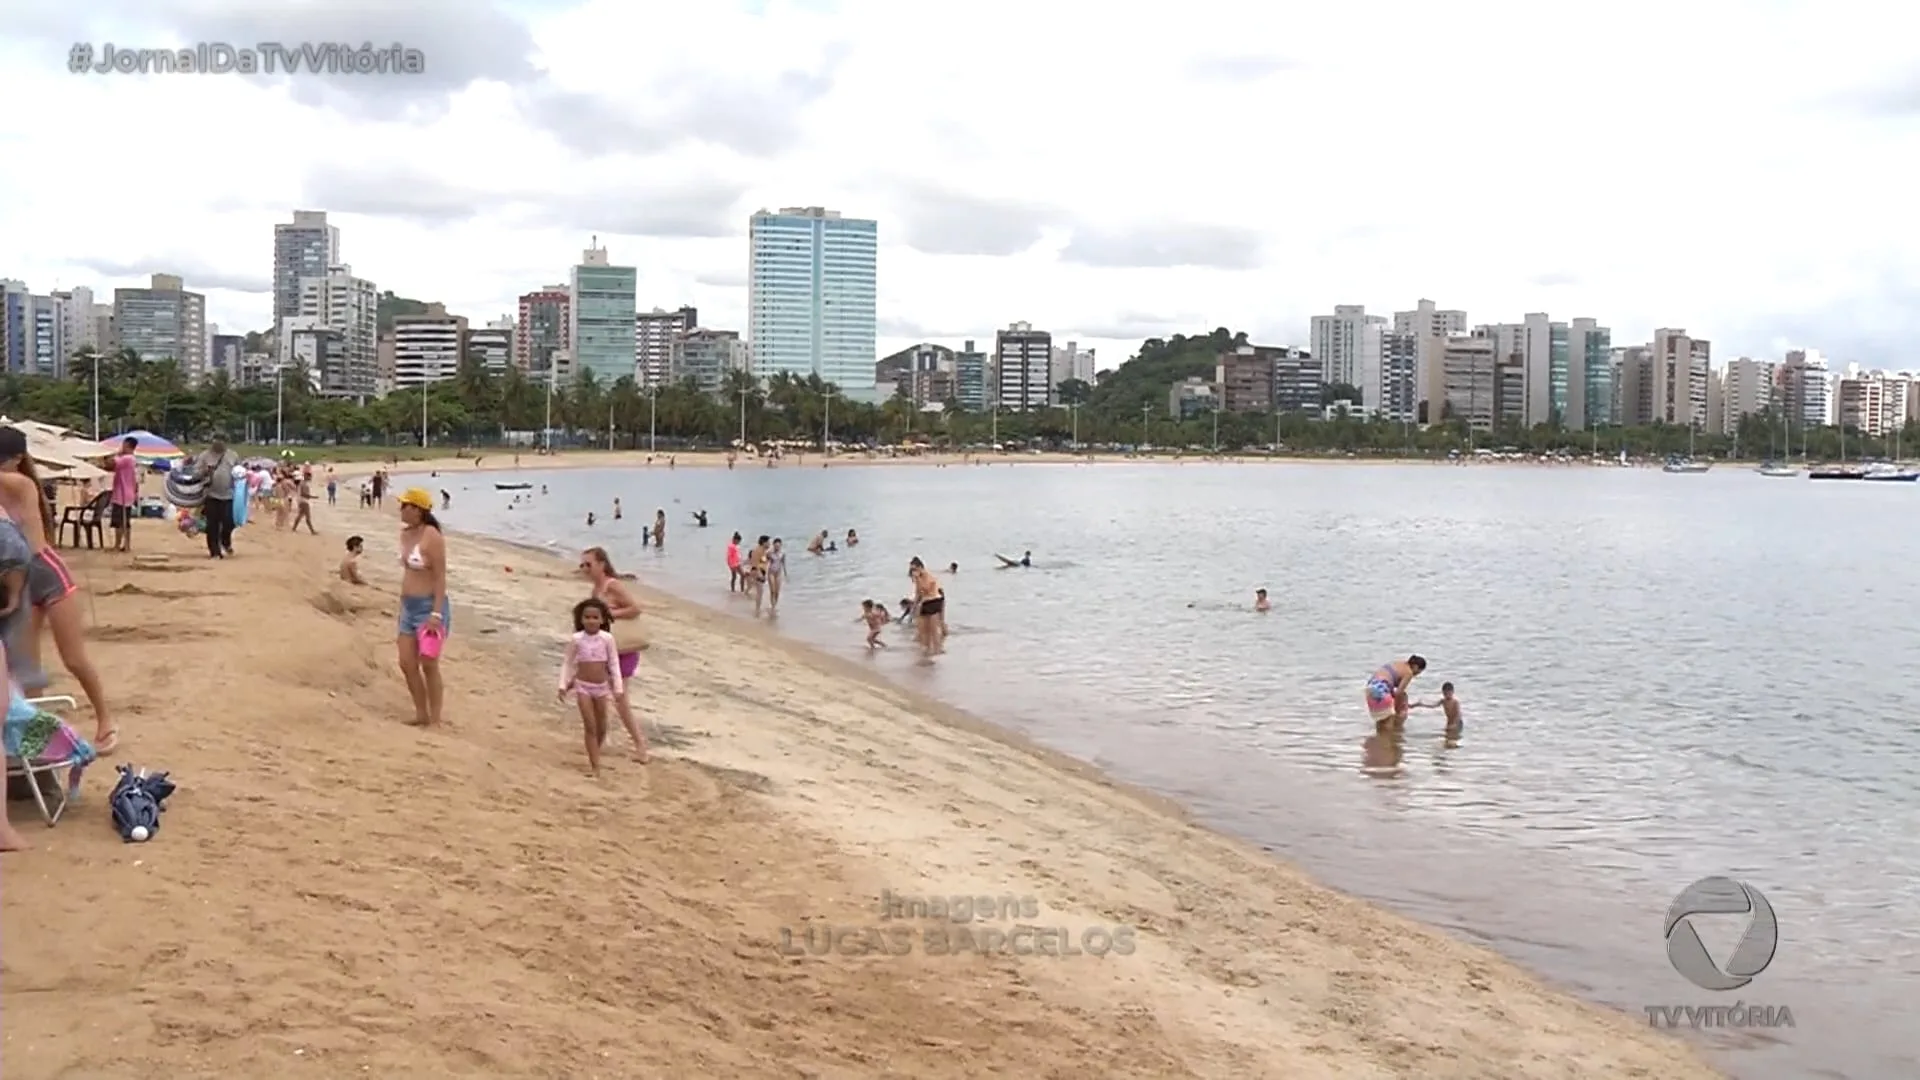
x: 906, y: 612
x: 1260, y: 602
x: 876, y: 618
x: 1449, y: 705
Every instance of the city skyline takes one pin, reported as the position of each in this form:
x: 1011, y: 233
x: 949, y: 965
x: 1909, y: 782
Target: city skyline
x: 1106, y: 237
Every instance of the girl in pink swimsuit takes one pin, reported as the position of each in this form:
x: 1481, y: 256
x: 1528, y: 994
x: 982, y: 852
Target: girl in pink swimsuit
x: 591, y: 673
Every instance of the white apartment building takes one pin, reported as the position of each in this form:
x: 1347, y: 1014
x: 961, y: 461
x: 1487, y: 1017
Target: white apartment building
x: 1677, y: 384
x: 1348, y: 344
x: 1540, y: 351
x: 1023, y: 360
x: 427, y: 348
x: 1469, y: 375
x: 1069, y: 362
x: 351, y: 306
x: 1747, y: 389
x: 654, y: 333
x: 493, y: 345
x: 1873, y: 403
x: 1430, y: 326
x: 163, y: 322
x: 1806, y: 388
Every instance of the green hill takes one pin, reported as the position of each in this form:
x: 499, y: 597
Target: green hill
x: 391, y: 305
x: 1152, y: 372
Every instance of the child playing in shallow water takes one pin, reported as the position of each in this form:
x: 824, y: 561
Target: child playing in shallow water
x: 1449, y: 705
x: 591, y: 674
x: 876, y: 618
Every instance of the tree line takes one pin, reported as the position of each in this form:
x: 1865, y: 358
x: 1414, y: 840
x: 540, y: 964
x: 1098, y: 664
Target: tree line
x: 478, y: 407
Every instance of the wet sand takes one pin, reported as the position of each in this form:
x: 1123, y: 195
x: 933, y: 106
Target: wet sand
x: 335, y: 892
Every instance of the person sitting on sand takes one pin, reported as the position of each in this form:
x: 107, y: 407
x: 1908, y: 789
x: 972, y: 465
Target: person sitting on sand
x: 1387, y: 691
x: 1260, y: 602
x: 350, y: 563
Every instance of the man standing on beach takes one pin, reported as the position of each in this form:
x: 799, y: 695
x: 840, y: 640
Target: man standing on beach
x: 126, y: 494
x: 216, y: 464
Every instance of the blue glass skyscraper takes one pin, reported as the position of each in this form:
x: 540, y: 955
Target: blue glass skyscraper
x: 812, y: 297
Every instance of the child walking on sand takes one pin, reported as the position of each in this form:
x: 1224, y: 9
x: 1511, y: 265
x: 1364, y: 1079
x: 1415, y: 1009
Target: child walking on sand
x: 877, y: 619
x: 591, y: 674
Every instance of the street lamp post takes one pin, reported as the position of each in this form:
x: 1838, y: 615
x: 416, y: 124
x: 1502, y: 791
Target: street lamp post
x: 546, y: 428
x: 1145, y: 410
x: 609, y: 423
x: 653, y: 416
x: 826, y: 422
x: 993, y: 440
x: 1216, y: 429
x: 1073, y: 413
x: 279, y: 406
x: 96, y: 397
x: 423, y: 412
x: 743, y: 418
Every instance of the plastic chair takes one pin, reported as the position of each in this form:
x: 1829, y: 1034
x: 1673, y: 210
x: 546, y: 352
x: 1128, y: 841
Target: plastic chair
x: 33, y: 769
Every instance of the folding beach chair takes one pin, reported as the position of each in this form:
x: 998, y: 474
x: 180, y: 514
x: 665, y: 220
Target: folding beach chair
x: 57, y: 750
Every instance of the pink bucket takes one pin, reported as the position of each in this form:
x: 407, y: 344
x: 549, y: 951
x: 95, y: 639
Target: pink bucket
x: 430, y: 641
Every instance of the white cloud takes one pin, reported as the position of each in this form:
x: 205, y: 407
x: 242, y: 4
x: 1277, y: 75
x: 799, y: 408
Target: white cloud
x: 1734, y: 168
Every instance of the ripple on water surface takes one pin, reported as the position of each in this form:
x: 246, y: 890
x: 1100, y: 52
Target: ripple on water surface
x: 1664, y: 677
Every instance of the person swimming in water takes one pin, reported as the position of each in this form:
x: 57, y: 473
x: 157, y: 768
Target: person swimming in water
x: 1025, y: 560
x: 1387, y: 691
x: 1260, y: 602
x: 699, y: 518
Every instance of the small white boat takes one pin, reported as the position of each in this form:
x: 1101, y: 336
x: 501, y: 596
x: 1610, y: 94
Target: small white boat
x: 1887, y: 471
x: 1685, y: 465
x: 1776, y: 469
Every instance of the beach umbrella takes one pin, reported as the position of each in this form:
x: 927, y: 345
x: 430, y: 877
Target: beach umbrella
x: 146, y: 446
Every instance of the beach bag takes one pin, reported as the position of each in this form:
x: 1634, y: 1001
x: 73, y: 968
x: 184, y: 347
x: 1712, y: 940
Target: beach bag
x: 628, y: 637
x: 136, y: 802
x: 186, y: 490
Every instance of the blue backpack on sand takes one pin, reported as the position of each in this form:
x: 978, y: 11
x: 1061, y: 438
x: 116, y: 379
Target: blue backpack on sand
x: 136, y: 801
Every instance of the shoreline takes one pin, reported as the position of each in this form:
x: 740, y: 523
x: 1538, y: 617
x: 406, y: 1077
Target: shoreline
x: 332, y: 884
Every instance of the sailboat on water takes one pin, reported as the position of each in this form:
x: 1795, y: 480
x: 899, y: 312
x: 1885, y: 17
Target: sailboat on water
x: 1677, y: 464
x: 1773, y: 466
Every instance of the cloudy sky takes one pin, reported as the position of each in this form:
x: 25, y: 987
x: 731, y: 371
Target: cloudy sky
x: 1744, y: 170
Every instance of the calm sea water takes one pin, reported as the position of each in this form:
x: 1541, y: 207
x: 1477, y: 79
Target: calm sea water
x: 1665, y: 677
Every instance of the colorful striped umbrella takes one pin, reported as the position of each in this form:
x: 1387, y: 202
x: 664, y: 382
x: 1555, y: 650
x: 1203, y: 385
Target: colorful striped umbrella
x: 146, y: 446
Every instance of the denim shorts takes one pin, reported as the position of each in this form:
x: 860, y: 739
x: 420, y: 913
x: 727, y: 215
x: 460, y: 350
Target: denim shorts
x: 416, y: 610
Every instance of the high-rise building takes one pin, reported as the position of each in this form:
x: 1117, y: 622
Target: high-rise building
x: 1431, y: 326
x: 307, y: 247
x: 78, y: 329
x: 1469, y: 389
x: 311, y: 346
x: 1245, y: 377
x: 16, y: 326
x: 1632, y: 385
x: 1297, y: 382
x: 1872, y: 403
x: 492, y: 345
x: 1681, y: 364
x: 225, y: 353
x: 653, y: 335
x: 923, y: 374
x: 1070, y: 362
x: 811, y: 295
x: 707, y: 357
x: 1747, y: 389
x: 1399, y: 378
x: 163, y: 322
x: 427, y: 347
x: 970, y: 379
x: 1347, y: 344
x: 1806, y: 389
x: 1589, y: 375
x: 1538, y: 348
x: 349, y: 306
x: 47, y: 340
x: 546, y: 328
x: 602, y: 312
x: 1023, y: 358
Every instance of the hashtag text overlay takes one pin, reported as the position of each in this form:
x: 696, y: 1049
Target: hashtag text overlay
x: 266, y: 58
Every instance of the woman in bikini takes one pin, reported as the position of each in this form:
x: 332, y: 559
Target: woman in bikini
x: 776, y: 575
x: 1387, y: 691
x: 623, y: 608
x: 929, y: 607
x: 757, y: 572
x: 424, y: 604
x: 50, y: 585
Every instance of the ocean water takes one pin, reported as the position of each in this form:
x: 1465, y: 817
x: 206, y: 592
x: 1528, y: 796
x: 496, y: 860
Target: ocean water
x: 1664, y: 677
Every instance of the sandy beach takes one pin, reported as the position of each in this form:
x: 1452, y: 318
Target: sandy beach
x: 335, y: 893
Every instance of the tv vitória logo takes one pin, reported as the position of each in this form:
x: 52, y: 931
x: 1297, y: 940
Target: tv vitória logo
x: 1721, y: 896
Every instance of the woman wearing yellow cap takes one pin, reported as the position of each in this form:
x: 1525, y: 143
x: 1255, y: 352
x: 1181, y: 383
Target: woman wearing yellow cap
x: 425, y: 613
